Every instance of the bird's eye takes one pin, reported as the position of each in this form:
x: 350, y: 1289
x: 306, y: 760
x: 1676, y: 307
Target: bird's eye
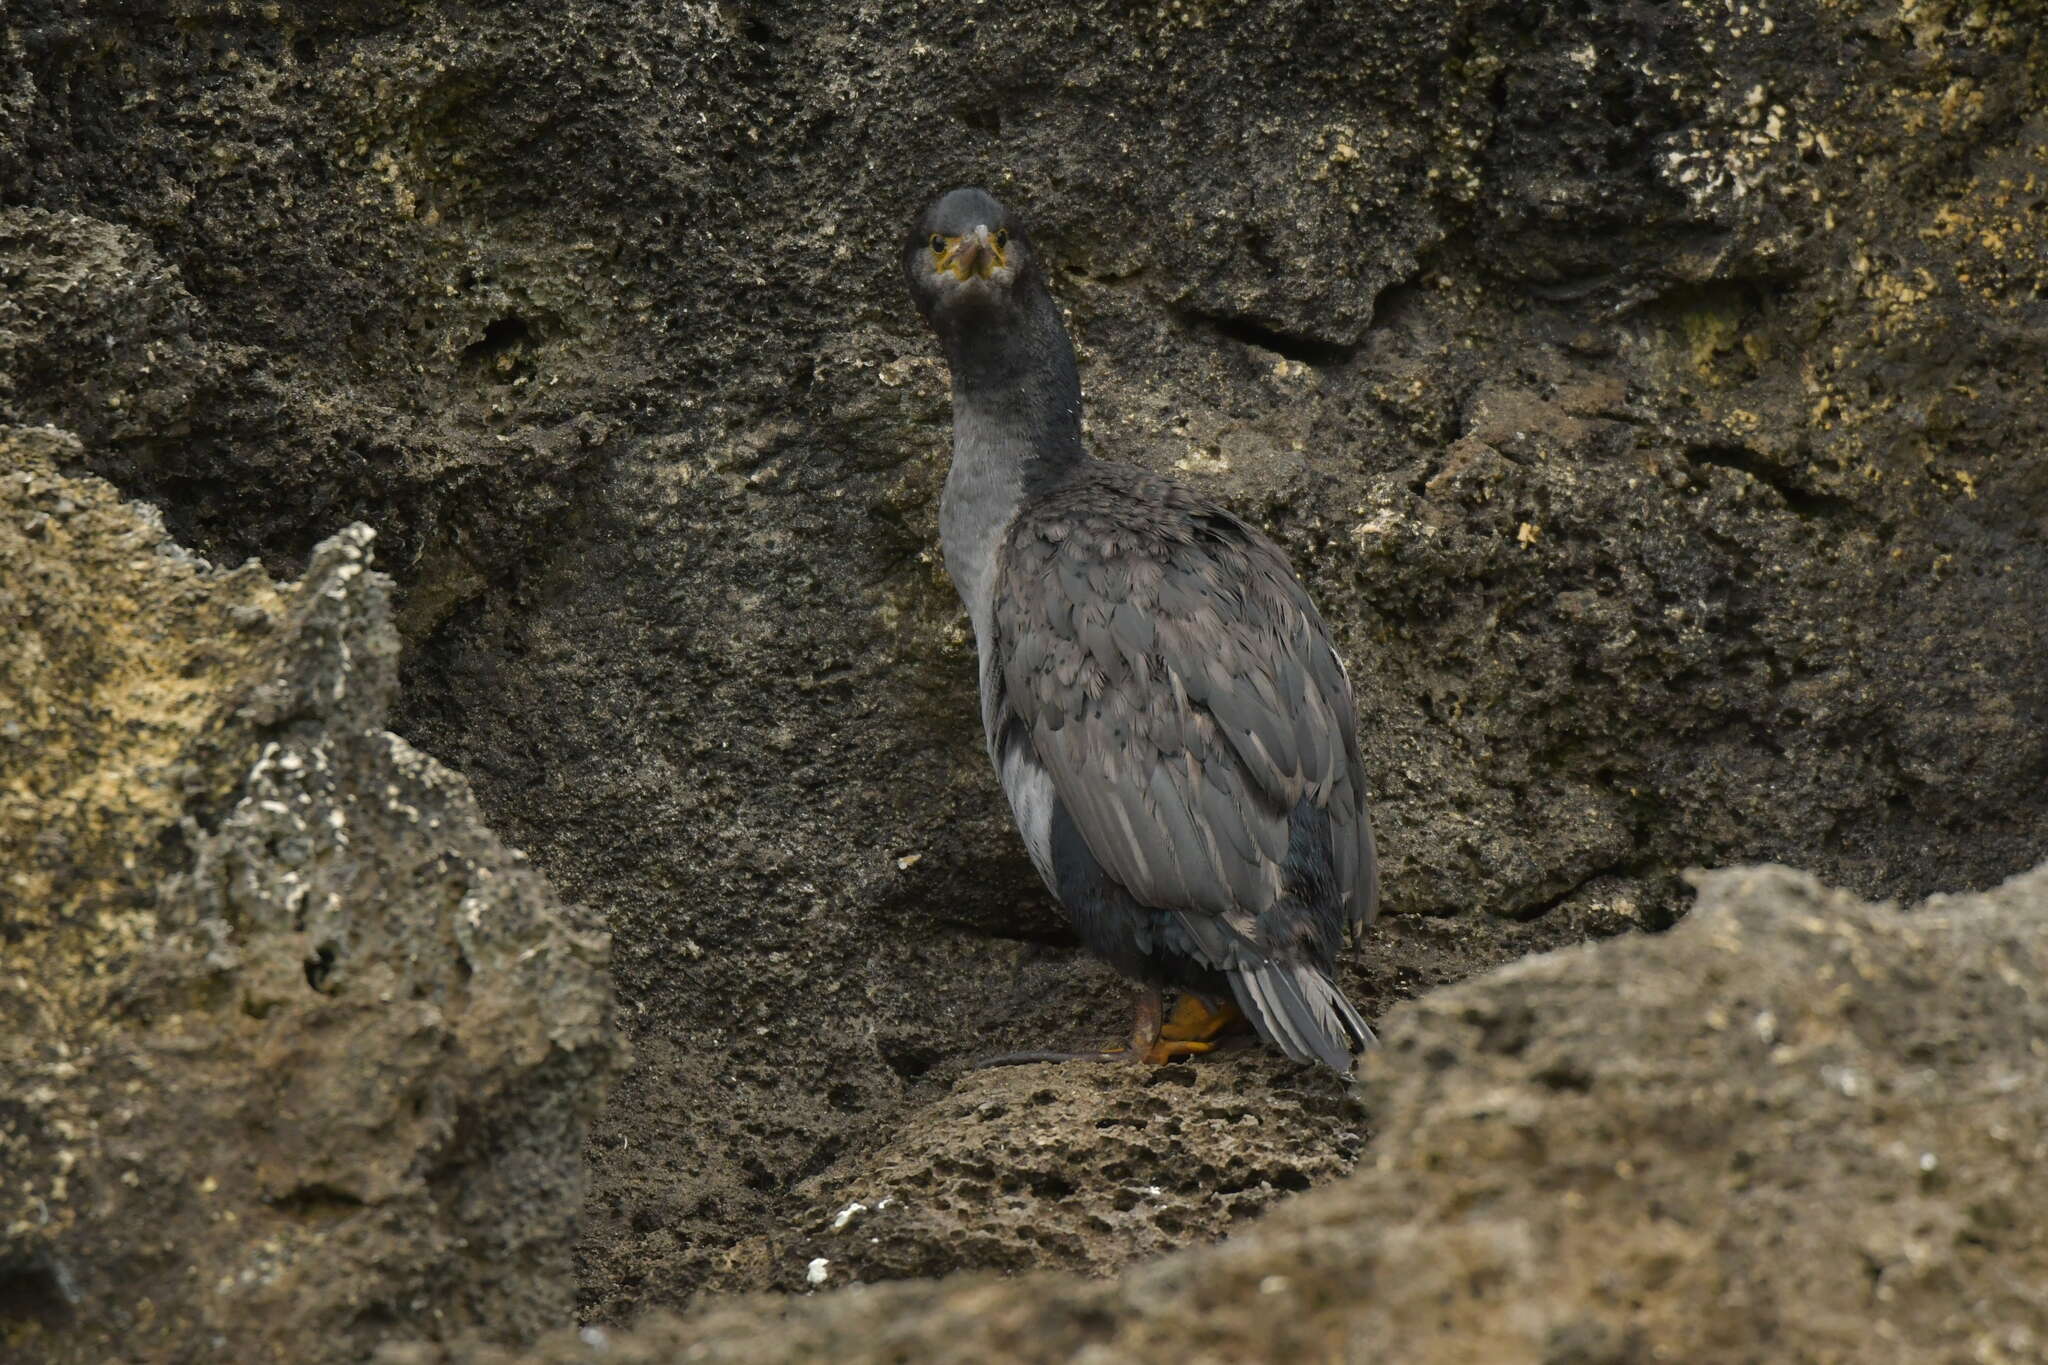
x: 938, y: 245
x: 1002, y: 238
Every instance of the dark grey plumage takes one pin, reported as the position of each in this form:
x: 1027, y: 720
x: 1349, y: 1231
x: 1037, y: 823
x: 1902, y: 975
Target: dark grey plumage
x: 1170, y: 722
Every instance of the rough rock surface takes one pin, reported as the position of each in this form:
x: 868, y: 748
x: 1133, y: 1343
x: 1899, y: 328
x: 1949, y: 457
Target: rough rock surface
x: 295, y: 1056
x: 1797, y: 1128
x: 1652, y: 394
x: 1082, y: 1167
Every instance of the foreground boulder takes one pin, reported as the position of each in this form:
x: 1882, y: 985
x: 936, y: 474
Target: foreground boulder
x: 1798, y: 1127
x: 294, y: 1053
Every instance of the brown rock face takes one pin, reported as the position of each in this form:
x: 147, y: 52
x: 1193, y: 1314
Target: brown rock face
x: 1652, y: 395
x: 295, y: 1055
x: 1795, y: 1128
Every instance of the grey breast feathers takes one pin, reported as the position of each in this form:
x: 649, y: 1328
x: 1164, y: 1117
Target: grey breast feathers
x: 1178, y: 685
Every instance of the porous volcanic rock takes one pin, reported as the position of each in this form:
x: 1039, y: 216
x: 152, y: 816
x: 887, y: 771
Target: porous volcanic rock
x: 295, y: 1055
x: 1651, y: 394
x: 1074, y: 1165
x: 1796, y: 1128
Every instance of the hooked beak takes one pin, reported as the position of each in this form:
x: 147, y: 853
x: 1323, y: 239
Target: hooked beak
x: 972, y: 255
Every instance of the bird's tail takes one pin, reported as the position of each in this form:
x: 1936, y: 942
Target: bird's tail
x: 1300, y: 1011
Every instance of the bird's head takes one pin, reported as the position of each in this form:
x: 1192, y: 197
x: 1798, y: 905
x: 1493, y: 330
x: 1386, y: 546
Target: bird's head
x: 966, y: 258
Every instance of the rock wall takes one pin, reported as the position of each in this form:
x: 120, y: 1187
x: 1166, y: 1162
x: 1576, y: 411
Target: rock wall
x: 295, y: 1056
x: 1796, y: 1128
x: 1651, y: 394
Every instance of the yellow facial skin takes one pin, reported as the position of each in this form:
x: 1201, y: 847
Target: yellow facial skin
x: 970, y: 256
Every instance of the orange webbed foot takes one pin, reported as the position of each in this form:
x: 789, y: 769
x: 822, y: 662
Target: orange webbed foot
x: 1191, y: 1031
x: 1195, y: 1020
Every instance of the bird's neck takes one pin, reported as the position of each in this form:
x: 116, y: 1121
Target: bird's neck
x: 1017, y: 383
x: 1016, y: 430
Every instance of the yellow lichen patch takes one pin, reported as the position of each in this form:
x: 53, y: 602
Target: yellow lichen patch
x: 123, y: 649
x: 1710, y: 332
x: 1996, y: 226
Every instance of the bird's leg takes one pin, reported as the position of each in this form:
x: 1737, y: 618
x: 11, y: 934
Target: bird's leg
x: 1145, y: 1024
x: 1146, y: 1044
x: 1196, y: 1020
x: 1150, y: 1045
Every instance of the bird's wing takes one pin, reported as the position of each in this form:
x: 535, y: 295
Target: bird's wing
x: 1179, y: 687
